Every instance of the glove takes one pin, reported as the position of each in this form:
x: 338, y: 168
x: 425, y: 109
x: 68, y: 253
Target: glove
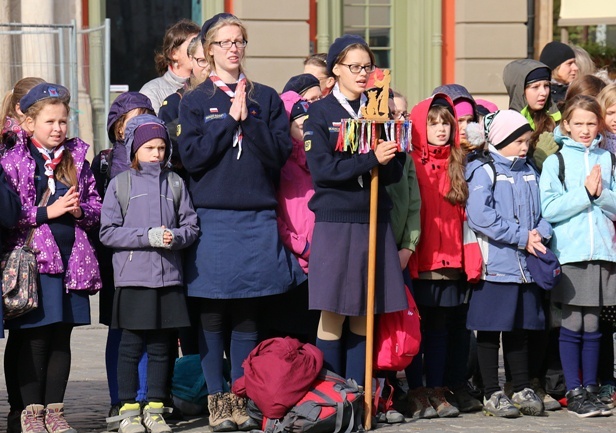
x: 155, y: 236
x: 545, y: 147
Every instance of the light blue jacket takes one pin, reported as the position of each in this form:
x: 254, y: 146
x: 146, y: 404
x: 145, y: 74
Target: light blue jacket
x: 502, y: 207
x: 583, y: 228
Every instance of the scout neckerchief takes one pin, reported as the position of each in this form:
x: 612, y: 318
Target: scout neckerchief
x: 345, y: 103
x: 237, y: 137
x: 52, y: 159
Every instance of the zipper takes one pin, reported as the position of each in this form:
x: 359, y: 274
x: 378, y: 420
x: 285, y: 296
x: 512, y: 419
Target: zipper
x: 590, y: 219
x: 130, y: 258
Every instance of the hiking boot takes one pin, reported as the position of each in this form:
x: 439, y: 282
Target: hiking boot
x: 221, y: 414
x: 13, y: 421
x: 419, y: 405
x: 444, y: 409
x: 33, y: 419
x: 129, y: 419
x: 549, y: 403
x: 153, y: 417
x: 580, y: 405
x: 606, y: 395
x: 528, y: 402
x: 499, y: 405
x: 114, y: 411
x: 593, y: 396
x: 464, y: 401
x: 240, y: 416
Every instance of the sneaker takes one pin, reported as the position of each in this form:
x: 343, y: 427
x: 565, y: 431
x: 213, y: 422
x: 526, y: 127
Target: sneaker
x: 580, y: 405
x: 528, y: 402
x: 221, y: 414
x: 606, y: 395
x: 129, y: 419
x: 499, y: 405
x: 508, y: 389
x: 13, y: 421
x: 33, y: 419
x: 419, y: 406
x: 114, y: 411
x: 549, y: 403
x: 437, y: 399
x: 593, y: 396
x: 240, y: 416
x: 153, y: 419
x: 464, y: 401
x: 55, y: 421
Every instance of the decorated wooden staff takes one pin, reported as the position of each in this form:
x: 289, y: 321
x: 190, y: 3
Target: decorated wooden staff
x: 362, y: 135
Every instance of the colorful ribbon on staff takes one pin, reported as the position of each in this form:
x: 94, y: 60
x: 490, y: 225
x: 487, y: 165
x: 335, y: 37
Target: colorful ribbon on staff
x: 362, y: 135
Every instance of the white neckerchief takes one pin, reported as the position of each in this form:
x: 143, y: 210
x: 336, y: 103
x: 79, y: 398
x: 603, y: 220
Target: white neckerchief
x: 345, y: 102
x: 238, y: 136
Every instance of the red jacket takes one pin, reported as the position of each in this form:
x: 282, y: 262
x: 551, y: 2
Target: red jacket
x: 442, y: 224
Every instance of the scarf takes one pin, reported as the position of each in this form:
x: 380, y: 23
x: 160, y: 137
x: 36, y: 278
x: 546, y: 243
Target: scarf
x: 52, y: 159
x: 345, y: 103
x: 237, y: 137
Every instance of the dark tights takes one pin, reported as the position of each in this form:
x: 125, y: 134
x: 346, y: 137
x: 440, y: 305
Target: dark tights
x: 44, y: 362
x: 515, y: 351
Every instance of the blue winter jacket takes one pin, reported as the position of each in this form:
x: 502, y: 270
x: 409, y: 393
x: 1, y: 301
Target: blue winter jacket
x: 583, y: 227
x: 502, y: 207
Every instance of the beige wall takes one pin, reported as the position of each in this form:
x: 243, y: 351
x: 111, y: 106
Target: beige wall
x: 489, y: 34
x: 278, y: 35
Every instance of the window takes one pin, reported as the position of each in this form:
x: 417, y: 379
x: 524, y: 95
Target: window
x: 370, y: 19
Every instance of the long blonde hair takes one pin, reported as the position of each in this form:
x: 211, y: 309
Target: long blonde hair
x: 12, y: 97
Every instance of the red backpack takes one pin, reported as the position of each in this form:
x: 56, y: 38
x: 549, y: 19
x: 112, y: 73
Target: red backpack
x: 397, y: 337
x: 332, y: 405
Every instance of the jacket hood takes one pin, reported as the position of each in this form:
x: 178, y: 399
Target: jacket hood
x: 455, y: 92
x: 564, y: 140
x: 419, y: 120
x: 124, y: 103
x: 129, y: 135
x: 514, y: 77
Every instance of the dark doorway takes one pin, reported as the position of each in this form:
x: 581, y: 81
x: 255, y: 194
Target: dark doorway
x: 137, y: 30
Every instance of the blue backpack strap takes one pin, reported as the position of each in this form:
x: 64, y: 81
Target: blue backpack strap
x: 123, y: 185
x: 175, y: 183
x: 486, y: 159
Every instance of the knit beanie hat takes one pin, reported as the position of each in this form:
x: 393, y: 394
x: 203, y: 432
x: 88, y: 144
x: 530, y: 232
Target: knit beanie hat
x: 300, y: 109
x: 539, y: 74
x: 302, y: 82
x: 147, y: 132
x: 504, y: 127
x: 338, y: 46
x: 485, y: 107
x: 464, y: 108
x: 556, y: 53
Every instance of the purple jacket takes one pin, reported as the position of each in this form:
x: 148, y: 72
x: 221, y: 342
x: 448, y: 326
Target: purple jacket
x: 135, y: 262
x: 82, y: 272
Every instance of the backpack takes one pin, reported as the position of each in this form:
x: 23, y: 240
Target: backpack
x: 331, y: 405
x: 397, y: 337
x: 123, y: 185
x: 561, y: 167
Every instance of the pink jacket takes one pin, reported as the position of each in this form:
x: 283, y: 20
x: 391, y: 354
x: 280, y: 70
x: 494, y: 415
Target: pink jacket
x: 295, y: 220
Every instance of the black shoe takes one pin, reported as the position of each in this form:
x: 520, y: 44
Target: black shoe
x: 579, y: 403
x: 13, y: 421
x: 464, y: 401
x: 593, y: 396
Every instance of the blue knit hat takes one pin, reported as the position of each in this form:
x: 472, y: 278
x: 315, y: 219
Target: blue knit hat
x: 338, y: 46
x: 544, y: 268
x: 44, y: 91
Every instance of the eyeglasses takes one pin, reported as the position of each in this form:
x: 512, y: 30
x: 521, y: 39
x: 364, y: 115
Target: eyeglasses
x: 201, y: 62
x: 226, y: 45
x: 356, y: 69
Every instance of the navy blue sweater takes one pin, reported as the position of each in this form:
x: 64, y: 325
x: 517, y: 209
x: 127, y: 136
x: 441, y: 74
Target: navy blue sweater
x: 10, y: 207
x: 218, y: 180
x: 340, y: 196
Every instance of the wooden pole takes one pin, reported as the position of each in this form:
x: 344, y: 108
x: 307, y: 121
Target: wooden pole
x: 374, y: 198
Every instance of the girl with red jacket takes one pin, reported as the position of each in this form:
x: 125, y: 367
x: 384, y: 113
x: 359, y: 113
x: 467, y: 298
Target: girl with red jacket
x: 438, y: 266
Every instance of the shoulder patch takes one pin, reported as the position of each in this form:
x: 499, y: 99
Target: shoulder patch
x: 178, y: 130
x: 307, y: 145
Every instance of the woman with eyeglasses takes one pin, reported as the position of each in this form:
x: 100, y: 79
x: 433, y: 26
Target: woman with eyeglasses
x: 341, y: 203
x: 233, y: 139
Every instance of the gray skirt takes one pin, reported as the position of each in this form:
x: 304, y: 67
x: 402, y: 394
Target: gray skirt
x: 587, y: 284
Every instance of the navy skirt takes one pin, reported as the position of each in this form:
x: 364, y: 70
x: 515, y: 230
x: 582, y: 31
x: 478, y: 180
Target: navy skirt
x: 338, y: 276
x: 439, y: 293
x: 239, y: 255
x: 505, y: 307
x: 55, y: 306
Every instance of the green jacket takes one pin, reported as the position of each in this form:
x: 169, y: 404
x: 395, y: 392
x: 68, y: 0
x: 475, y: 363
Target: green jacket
x: 407, y: 202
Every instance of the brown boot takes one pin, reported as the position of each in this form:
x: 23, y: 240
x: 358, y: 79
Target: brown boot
x: 221, y: 416
x: 240, y: 416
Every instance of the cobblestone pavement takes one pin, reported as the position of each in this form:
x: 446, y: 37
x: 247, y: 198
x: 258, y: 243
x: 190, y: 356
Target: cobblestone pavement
x: 87, y: 401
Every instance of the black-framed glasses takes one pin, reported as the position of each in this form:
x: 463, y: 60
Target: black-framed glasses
x: 356, y: 69
x: 201, y: 61
x: 226, y: 45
